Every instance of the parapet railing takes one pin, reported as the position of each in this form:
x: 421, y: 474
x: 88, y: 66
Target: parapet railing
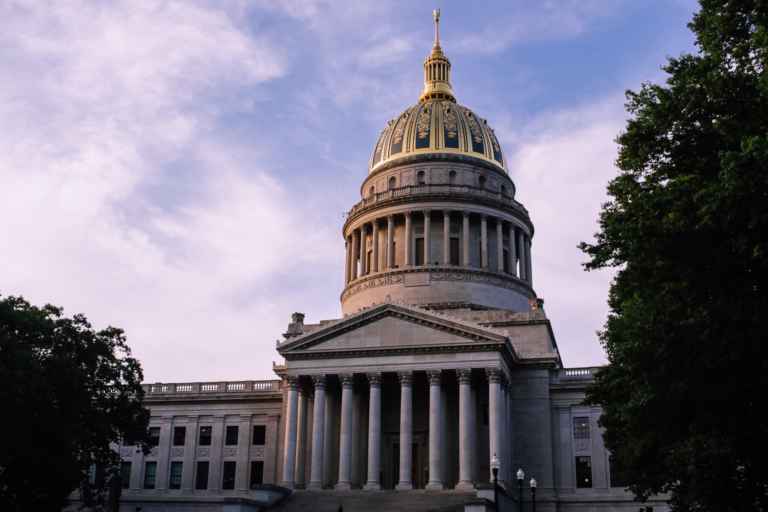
x: 245, y: 386
x: 571, y: 374
x: 427, y: 189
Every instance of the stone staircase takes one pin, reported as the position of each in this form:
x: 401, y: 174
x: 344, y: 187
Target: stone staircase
x: 378, y: 501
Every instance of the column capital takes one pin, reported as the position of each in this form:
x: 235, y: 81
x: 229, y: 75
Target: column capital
x: 318, y: 381
x: 405, y: 378
x: 292, y: 381
x: 464, y: 375
x: 390, y: 217
x: 435, y: 377
x: 493, y: 374
x: 465, y: 213
x: 346, y: 379
x: 374, y: 378
x: 447, y: 213
x: 407, y: 213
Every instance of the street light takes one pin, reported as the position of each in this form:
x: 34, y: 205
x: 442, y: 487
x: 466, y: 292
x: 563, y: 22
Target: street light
x: 495, y: 470
x: 533, y: 494
x: 520, y: 478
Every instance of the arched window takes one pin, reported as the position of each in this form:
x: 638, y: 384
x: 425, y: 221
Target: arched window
x: 481, y: 181
x: 452, y: 177
x: 503, y: 190
x: 391, y: 183
x: 420, y: 180
x: 371, y: 191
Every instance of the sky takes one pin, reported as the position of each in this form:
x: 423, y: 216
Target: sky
x: 181, y: 169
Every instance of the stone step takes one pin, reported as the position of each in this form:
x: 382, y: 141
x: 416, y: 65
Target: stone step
x: 377, y: 501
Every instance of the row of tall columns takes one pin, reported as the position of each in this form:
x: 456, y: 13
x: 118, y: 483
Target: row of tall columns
x: 357, y: 246
x: 296, y: 417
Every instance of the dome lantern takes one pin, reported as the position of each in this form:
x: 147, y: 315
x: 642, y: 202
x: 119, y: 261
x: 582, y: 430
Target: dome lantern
x: 437, y: 70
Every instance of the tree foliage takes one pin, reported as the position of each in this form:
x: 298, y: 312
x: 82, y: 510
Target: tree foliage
x: 687, y: 228
x: 67, y: 392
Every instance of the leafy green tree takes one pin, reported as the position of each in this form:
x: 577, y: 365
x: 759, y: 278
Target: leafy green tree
x: 686, y: 226
x: 67, y: 392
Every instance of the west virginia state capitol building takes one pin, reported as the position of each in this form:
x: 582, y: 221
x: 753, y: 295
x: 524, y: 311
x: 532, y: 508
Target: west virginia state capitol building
x: 443, y: 360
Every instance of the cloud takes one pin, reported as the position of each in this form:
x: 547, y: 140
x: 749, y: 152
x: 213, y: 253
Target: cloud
x: 561, y: 165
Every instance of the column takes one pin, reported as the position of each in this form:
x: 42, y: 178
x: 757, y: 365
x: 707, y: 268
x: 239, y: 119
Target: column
x: 406, y: 433
x: 484, y: 241
x: 446, y: 237
x: 435, y: 431
x: 374, y: 432
x: 427, y: 219
x: 217, y: 442
x: 465, y: 240
x: 347, y: 266
x: 270, y: 449
x: 528, y: 263
x: 408, y: 239
x: 163, y: 453
x: 363, y: 250
x: 328, y: 437
x: 512, y: 250
x: 521, y: 250
x: 375, y: 248
x: 243, y: 455
x: 499, y: 246
x: 289, y: 447
x: 345, y: 437
x: 190, y: 447
x: 494, y: 413
x: 355, y: 252
x: 301, y: 438
x: 390, y: 241
x: 465, y: 430
x: 318, y: 428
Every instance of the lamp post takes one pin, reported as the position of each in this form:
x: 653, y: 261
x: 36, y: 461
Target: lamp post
x: 533, y: 494
x: 520, y: 478
x: 495, y: 469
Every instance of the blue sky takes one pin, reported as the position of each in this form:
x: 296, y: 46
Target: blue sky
x: 180, y: 169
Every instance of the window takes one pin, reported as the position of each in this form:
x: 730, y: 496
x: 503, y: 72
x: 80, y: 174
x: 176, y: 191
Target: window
x: 371, y: 191
x: 228, y: 478
x: 452, y: 177
x: 419, y: 247
x: 503, y: 190
x: 174, y: 480
x: 179, y: 436
x: 205, y: 436
x: 420, y: 179
x: 391, y: 183
x: 232, y: 431
x: 581, y: 427
x: 257, y: 473
x: 201, y: 478
x: 125, y: 474
x: 618, y: 473
x: 481, y: 181
x: 154, y: 436
x: 259, y: 435
x: 506, y: 260
x: 150, y: 473
x: 583, y: 472
x: 454, y: 251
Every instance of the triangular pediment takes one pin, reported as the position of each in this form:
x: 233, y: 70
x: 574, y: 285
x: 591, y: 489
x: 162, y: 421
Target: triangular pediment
x: 391, y: 326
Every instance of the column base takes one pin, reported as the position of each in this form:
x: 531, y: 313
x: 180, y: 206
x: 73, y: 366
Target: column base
x: 343, y: 486
x: 372, y: 486
x: 465, y: 485
x: 404, y: 486
x: 315, y: 486
x: 434, y: 486
x: 288, y: 485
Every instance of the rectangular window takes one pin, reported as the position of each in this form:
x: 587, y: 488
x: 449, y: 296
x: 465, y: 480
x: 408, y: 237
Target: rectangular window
x: 257, y: 473
x: 154, y: 436
x: 150, y: 474
x: 125, y: 474
x: 581, y: 427
x: 617, y: 473
x: 201, y: 477
x: 232, y: 431
x: 228, y: 478
x: 454, y: 251
x: 259, y: 435
x: 205, y: 436
x: 179, y: 436
x: 583, y: 472
x: 418, y: 246
x: 506, y: 260
x: 174, y: 478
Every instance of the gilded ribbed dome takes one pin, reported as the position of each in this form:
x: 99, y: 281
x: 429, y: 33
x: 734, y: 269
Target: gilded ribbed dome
x: 437, y: 124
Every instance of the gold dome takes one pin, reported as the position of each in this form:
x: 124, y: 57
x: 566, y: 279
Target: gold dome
x: 437, y: 124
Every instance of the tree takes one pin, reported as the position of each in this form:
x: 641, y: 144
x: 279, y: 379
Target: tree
x: 67, y: 392
x: 686, y: 226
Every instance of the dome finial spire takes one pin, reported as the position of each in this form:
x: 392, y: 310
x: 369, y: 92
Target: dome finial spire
x: 437, y: 70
